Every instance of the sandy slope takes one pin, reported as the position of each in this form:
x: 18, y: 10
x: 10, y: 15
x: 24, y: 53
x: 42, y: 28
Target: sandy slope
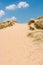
x: 18, y: 49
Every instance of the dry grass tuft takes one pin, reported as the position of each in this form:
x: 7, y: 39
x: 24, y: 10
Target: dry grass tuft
x: 30, y: 22
x: 31, y: 28
x: 38, y: 23
x: 36, y: 35
x: 7, y: 24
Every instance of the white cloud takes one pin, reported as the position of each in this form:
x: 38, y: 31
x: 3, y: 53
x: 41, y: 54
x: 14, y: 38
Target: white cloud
x: 13, y: 18
x: 23, y: 4
x: 2, y: 13
x: 19, y: 5
x: 11, y: 7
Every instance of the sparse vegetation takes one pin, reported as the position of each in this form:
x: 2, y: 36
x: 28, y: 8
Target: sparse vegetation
x: 30, y: 35
x: 40, y: 17
x: 30, y: 22
x: 36, y: 35
x: 38, y: 23
x: 6, y: 24
x: 31, y: 28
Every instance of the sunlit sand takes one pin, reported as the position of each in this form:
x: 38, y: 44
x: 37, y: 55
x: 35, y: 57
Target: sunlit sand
x: 16, y: 48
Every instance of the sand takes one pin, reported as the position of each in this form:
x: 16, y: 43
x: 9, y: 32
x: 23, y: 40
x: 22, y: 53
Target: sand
x: 18, y: 49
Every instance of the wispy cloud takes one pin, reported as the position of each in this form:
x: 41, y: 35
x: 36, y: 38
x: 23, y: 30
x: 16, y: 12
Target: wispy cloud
x: 11, y: 18
x: 11, y: 7
x: 19, y: 5
x: 2, y: 13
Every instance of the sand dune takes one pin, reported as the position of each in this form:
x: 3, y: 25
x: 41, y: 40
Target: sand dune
x: 16, y: 48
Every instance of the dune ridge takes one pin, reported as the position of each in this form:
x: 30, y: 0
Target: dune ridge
x: 7, y: 23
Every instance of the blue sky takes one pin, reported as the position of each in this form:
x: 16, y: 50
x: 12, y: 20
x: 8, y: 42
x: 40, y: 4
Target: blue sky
x: 20, y: 10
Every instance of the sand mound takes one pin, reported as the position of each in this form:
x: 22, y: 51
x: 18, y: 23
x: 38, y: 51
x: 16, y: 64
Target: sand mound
x: 7, y: 24
x: 36, y: 23
x: 36, y: 28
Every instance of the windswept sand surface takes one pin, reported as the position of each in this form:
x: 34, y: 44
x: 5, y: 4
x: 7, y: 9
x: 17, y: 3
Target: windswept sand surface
x: 18, y: 49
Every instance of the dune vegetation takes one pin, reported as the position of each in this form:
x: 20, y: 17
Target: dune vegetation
x: 36, y: 28
x: 36, y: 23
x: 7, y: 23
